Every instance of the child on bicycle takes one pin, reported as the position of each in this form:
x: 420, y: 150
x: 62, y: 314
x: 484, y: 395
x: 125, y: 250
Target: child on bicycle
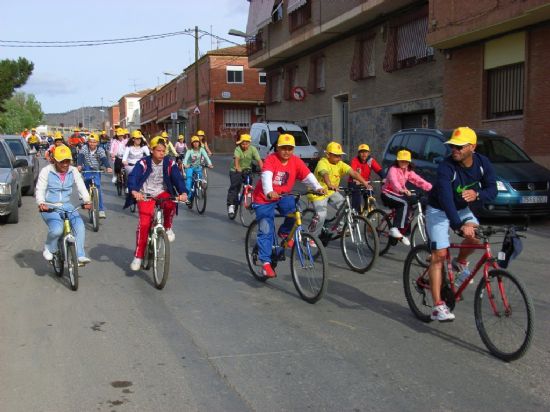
x: 192, y: 162
x: 136, y: 148
x: 363, y: 164
x: 170, y: 149
x: 91, y: 158
x: 204, y: 143
x: 329, y: 172
x: 57, y: 141
x: 55, y: 187
x: 279, y: 173
x: 243, y: 157
x: 118, y: 144
x: 158, y: 177
x: 396, y: 195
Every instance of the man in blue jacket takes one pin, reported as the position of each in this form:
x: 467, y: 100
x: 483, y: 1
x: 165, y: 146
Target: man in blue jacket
x: 157, y: 177
x: 462, y: 178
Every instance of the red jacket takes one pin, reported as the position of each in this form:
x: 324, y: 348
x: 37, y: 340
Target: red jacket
x: 364, y: 169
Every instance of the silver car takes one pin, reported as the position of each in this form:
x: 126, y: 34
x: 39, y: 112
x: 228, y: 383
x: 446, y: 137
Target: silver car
x: 29, y: 173
x: 10, y: 184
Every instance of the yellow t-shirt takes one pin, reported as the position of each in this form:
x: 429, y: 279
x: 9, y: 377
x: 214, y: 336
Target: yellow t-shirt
x: 335, y: 173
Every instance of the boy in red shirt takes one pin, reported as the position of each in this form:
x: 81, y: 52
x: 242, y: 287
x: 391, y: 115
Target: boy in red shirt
x: 279, y: 173
x: 363, y: 164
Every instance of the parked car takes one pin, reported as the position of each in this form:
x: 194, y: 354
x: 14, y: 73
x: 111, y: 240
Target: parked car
x: 10, y: 184
x: 29, y: 173
x: 523, y: 185
x: 264, y: 137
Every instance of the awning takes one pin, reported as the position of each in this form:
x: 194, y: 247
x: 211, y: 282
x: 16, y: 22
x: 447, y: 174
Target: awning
x: 295, y: 5
x: 146, y: 121
x: 259, y: 15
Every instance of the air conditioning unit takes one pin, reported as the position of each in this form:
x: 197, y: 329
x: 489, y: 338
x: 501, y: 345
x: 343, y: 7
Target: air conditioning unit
x: 260, y: 111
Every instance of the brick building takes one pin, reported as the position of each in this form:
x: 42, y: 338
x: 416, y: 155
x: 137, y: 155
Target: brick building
x: 496, y: 67
x: 129, y: 110
x: 364, y: 66
x: 230, y: 99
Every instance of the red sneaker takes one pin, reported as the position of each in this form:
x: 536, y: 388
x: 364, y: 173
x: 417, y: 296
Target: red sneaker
x: 268, y: 271
x: 289, y: 243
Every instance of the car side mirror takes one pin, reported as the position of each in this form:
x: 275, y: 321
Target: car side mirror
x: 314, y: 143
x: 20, y: 163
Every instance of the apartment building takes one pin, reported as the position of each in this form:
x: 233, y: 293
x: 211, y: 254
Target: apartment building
x: 129, y: 109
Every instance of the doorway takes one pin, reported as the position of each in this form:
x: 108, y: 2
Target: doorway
x: 340, y: 121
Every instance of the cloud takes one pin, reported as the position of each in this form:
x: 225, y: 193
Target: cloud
x: 49, y: 85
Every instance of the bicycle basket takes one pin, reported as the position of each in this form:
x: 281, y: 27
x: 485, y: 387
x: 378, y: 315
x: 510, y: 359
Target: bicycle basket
x: 511, y: 248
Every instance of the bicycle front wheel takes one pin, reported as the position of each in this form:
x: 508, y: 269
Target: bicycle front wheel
x: 200, y: 197
x: 119, y: 185
x: 309, y: 267
x: 360, y: 244
x: 72, y: 266
x: 382, y: 223
x: 161, y: 258
x: 94, y: 213
x: 246, y: 211
x: 58, y: 262
x: 205, y: 177
x: 419, y: 235
x: 251, y: 250
x: 505, y: 315
x: 416, y: 283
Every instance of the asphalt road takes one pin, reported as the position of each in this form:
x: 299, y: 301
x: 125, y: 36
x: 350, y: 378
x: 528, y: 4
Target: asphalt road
x: 215, y: 339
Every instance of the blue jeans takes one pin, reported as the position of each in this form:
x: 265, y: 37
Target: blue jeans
x: 189, y: 178
x: 55, y: 229
x: 96, y: 177
x: 265, y: 215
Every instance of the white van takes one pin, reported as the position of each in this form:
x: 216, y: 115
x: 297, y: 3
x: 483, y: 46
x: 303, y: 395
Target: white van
x: 264, y: 137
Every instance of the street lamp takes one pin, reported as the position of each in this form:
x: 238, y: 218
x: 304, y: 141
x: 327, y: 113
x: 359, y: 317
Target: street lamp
x: 238, y: 33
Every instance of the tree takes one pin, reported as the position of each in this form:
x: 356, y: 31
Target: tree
x: 13, y: 74
x: 20, y: 112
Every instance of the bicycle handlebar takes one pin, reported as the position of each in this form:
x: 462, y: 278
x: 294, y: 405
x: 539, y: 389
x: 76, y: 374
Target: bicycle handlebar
x: 483, y: 231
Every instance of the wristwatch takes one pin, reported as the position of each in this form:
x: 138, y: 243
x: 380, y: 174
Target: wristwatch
x: 477, y: 195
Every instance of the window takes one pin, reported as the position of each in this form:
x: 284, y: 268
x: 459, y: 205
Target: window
x: 396, y: 145
x: 236, y: 118
x: 415, y: 144
x: 317, y: 74
x: 363, y: 59
x: 299, y: 17
x: 435, y: 149
x: 274, y: 87
x: 262, y: 78
x: 291, y: 74
x: 235, y: 74
x: 505, y: 91
x: 406, y: 45
x: 277, y: 13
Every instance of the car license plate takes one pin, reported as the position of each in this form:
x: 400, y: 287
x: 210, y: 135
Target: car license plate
x: 534, y: 199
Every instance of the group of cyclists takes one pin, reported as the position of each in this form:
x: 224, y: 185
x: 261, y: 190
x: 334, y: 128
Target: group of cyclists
x: 158, y: 170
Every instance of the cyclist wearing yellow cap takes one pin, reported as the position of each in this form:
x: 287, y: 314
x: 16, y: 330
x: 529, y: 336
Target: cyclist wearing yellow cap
x: 363, y: 164
x: 57, y: 141
x: 396, y: 195
x: 329, y: 171
x: 204, y: 143
x: 462, y: 179
x: 118, y: 144
x: 136, y: 148
x: 55, y: 186
x: 192, y: 162
x: 34, y: 140
x: 170, y: 149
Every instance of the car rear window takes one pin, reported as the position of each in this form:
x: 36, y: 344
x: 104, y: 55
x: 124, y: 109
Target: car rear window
x: 16, y: 147
x: 501, y: 151
x: 4, y: 160
x: 299, y: 137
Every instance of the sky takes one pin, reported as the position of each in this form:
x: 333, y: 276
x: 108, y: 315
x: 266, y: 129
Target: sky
x: 68, y: 78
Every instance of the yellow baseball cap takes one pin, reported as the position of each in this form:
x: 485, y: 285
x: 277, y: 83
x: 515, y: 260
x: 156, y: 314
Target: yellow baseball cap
x: 103, y: 132
x: 119, y: 132
x: 363, y: 147
x: 164, y: 134
x: 286, y: 140
x: 335, y: 148
x: 181, y: 137
x: 76, y: 129
x: 155, y: 141
x: 462, y: 136
x: 62, y: 153
x: 200, y: 132
x: 244, y: 138
x: 58, y: 136
x: 404, y: 155
x: 195, y: 139
x: 136, y: 134
x: 93, y: 137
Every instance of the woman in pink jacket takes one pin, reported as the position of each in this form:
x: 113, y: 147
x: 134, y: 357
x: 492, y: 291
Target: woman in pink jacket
x: 396, y: 195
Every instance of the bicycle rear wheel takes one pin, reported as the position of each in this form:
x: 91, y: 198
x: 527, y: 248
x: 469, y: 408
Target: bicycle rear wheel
x: 309, y: 266
x: 200, y: 197
x: 251, y: 250
x: 382, y: 223
x: 416, y: 283
x: 360, y: 244
x: 505, y: 315
x: 72, y: 266
x: 161, y: 258
x: 246, y: 211
x: 94, y: 213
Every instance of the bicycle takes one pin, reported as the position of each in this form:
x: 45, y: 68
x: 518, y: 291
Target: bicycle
x: 121, y: 181
x: 66, y: 248
x: 415, y: 224
x: 93, y: 213
x: 304, y: 262
x: 198, y: 189
x: 244, y: 200
x: 500, y: 301
x: 157, y: 250
x: 369, y: 199
x: 359, y: 240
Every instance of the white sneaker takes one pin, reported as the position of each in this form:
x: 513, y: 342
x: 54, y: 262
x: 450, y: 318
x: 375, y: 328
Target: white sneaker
x: 394, y: 232
x: 136, y: 264
x: 102, y: 214
x: 312, y: 243
x: 83, y: 260
x: 47, y: 254
x: 231, y: 211
x: 442, y: 313
x: 405, y: 240
x: 113, y: 179
x: 171, y: 235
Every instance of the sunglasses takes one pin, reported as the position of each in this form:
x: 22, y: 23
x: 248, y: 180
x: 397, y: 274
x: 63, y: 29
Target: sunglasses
x: 459, y: 148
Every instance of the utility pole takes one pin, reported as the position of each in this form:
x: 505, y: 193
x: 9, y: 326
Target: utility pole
x: 197, y: 74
